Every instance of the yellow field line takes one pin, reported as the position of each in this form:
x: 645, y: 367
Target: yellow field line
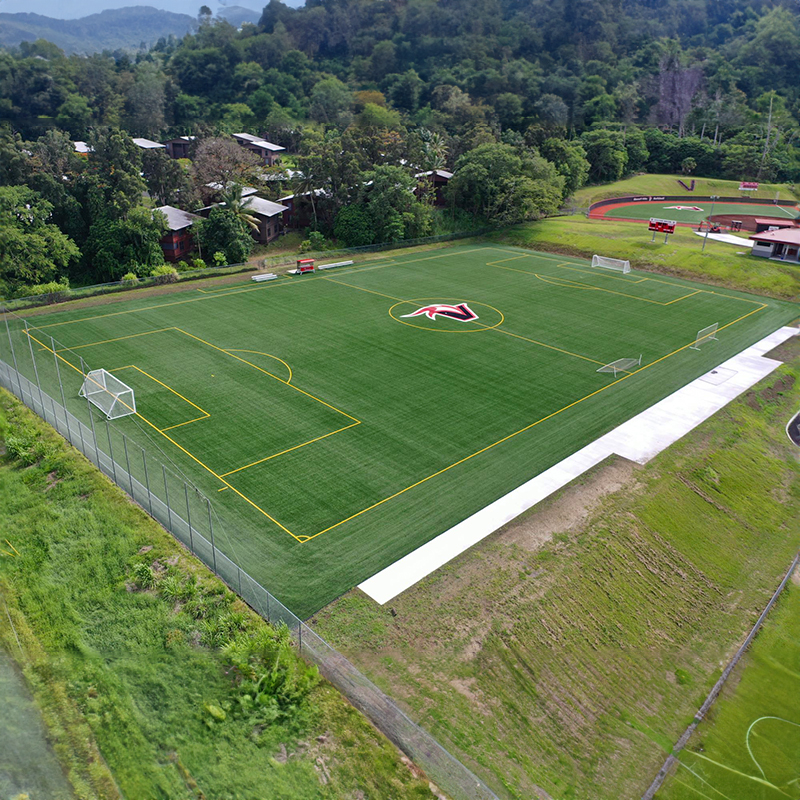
x: 523, y: 430
x: 168, y: 388
x: 191, y: 455
x: 678, y: 299
x: 260, y: 353
x: 269, y: 285
x: 549, y: 346
x: 181, y: 424
x: 290, y: 385
x: 109, y: 341
x: 289, y: 450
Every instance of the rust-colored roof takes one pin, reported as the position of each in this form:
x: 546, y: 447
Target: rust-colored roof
x: 783, y: 236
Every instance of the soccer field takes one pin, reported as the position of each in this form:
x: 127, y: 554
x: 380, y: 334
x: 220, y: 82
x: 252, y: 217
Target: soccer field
x: 337, y: 426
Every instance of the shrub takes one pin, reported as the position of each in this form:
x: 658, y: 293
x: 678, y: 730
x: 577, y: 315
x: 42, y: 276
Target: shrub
x: 182, y: 266
x: 130, y: 279
x: 219, y: 259
x: 143, y: 575
x: 55, y: 291
x: 198, y: 263
x: 164, y: 273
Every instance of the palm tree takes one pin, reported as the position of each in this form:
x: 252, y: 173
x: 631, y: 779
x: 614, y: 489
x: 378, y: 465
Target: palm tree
x: 231, y: 198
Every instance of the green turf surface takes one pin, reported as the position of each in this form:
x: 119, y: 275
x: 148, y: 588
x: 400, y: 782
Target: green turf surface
x: 388, y: 430
x: 749, y: 745
x: 685, y: 210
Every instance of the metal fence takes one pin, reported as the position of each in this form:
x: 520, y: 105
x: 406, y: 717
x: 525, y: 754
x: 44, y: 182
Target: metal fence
x: 32, y: 366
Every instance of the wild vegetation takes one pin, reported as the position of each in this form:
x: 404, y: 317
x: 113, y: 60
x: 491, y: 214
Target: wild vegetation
x: 153, y: 678
x: 525, y: 103
x: 569, y: 651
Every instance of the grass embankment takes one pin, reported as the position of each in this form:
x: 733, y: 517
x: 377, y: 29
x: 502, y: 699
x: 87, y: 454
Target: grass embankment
x: 749, y: 745
x: 571, y: 649
x: 668, y: 184
x: 154, y: 680
x: 681, y: 256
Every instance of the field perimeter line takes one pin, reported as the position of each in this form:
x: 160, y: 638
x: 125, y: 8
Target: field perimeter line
x: 639, y: 439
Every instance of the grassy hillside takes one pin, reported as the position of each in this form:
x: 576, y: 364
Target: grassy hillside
x: 719, y: 264
x: 749, y: 745
x: 135, y: 653
x: 570, y: 650
x: 113, y: 29
x: 668, y: 184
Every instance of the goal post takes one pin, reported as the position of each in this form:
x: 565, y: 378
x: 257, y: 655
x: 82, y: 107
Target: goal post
x: 616, y: 264
x: 705, y: 335
x: 113, y: 397
x: 621, y: 365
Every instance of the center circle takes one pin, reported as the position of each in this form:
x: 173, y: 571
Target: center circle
x: 488, y: 317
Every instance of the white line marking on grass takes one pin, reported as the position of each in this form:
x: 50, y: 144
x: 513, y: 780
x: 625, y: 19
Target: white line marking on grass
x: 747, y: 737
x: 639, y: 439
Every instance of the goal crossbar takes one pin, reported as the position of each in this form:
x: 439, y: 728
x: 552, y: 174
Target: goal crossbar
x: 621, y: 365
x: 616, y: 264
x: 706, y: 334
x: 104, y: 390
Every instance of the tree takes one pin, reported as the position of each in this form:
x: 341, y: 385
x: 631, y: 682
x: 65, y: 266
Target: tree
x: 353, y: 227
x: 219, y: 163
x: 114, y: 179
x: 330, y: 101
x: 605, y: 151
x: 167, y: 181
x: 231, y: 198
x: 32, y: 250
x: 387, y: 195
x: 224, y: 232
x: 570, y: 161
x: 74, y: 115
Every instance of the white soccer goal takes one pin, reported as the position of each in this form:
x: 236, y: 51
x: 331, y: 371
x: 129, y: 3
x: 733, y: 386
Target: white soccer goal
x: 706, y: 335
x: 113, y: 397
x: 621, y: 365
x: 611, y: 263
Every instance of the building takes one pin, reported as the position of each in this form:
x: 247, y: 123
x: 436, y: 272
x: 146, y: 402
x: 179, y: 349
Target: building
x: 179, y: 146
x: 269, y: 216
x: 782, y: 245
x: 178, y: 242
x: 268, y: 153
x: 82, y: 149
x: 439, y: 178
x: 770, y: 224
x: 148, y: 144
x: 299, y: 209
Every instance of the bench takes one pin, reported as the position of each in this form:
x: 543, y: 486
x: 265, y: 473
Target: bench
x: 265, y: 276
x: 337, y: 264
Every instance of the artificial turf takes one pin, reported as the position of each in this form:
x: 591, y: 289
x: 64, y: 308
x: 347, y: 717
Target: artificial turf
x: 343, y: 435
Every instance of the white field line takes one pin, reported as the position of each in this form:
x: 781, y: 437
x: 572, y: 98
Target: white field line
x: 639, y: 439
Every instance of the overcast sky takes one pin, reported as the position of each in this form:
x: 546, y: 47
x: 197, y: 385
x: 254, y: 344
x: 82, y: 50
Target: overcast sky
x: 71, y: 9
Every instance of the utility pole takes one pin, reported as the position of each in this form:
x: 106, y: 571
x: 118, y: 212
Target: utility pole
x: 714, y: 199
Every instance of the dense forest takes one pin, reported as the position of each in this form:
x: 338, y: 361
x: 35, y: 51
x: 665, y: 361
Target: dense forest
x: 524, y: 102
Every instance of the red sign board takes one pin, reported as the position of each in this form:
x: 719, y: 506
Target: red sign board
x: 305, y: 265
x: 662, y: 225
x: 748, y: 186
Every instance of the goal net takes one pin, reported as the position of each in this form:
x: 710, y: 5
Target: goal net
x: 113, y: 397
x: 611, y: 263
x: 705, y: 335
x: 621, y: 365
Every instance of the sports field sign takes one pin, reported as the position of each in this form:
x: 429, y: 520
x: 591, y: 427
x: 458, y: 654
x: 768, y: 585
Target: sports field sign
x: 662, y: 225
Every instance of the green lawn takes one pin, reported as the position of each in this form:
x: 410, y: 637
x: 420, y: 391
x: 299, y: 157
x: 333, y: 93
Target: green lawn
x: 749, y: 745
x: 668, y: 184
x: 335, y: 434
x: 720, y: 263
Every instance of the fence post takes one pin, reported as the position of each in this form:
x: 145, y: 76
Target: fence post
x: 166, y: 497
x: 147, y: 482
x: 188, y: 516
x: 61, y: 387
x: 111, y: 453
x: 35, y: 370
x: 14, y: 358
x: 128, y: 464
x: 211, y: 529
x: 91, y: 418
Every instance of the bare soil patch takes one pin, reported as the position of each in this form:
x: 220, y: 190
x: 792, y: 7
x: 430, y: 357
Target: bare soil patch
x: 570, y: 509
x: 787, y: 351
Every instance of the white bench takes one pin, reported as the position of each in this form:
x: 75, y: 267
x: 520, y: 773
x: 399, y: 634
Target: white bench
x: 337, y: 264
x: 265, y: 276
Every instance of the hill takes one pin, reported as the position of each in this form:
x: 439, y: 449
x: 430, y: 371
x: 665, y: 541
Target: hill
x: 122, y: 28
x: 237, y: 15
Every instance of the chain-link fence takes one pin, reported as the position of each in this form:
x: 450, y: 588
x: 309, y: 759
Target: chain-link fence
x: 33, y: 367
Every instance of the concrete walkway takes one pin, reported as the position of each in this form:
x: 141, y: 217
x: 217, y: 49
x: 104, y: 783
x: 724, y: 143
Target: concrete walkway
x: 638, y: 439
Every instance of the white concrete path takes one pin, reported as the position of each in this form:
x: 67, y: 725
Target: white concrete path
x: 727, y: 238
x: 638, y: 439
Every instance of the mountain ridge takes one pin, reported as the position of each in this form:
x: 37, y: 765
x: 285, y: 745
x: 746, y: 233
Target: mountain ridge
x: 112, y: 29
